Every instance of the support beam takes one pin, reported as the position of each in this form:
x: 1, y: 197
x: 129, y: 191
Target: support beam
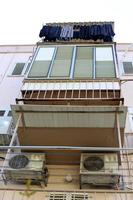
x: 118, y: 130
x: 22, y: 118
x: 67, y: 111
x: 113, y: 149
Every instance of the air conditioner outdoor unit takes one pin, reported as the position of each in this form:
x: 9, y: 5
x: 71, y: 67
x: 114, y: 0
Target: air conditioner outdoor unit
x: 5, y: 130
x: 99, y: 169
x: 26, y: 166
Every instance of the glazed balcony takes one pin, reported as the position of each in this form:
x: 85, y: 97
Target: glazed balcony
x: 72, y: 92
x: 74, y: 75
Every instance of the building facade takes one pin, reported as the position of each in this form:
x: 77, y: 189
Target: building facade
x: 71, y: 103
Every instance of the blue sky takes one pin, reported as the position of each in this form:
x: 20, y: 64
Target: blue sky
x: 21, y: 20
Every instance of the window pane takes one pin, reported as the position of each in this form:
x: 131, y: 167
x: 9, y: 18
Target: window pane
x: 45, y: 53
x: 128, y: 67
x: 18, y: 69
x: 9, y: 113
x: 104, y: 53
x: 42, y: 62
x: 104, y: 62
x: 62, y: 62
x: 2, y: 112
x: 84, y: 62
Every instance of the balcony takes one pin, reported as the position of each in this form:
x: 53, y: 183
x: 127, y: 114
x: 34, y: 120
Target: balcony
x: 55, y: 124
x: 80, y: 74
x: 63, y: 178
x: 71, y: 92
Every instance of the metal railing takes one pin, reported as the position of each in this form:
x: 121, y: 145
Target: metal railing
x: 53, y: 90
x: 41, y: 195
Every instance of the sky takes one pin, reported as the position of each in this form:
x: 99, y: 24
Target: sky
x: 21, y: 20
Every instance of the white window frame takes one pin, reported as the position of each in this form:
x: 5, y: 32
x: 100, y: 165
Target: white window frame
x: 70, y: 69
x: 25, y: 67
x: 73, y: 61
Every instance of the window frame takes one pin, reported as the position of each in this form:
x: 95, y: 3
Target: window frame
x: 123, y: 71
x: 71, y: 64
x: 93, y: 61
x: 114, y: 61
x: 73, y: 59
x: 23, y: 70
x: 34, y: 58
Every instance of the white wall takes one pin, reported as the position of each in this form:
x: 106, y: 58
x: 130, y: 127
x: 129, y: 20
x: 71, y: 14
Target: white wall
x: 125, y: 53
x: 10, y: 85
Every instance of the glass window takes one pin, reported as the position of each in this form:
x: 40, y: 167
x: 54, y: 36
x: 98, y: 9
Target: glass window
x: 104, y: 62
x: 18, y: 69
x: 9, y: 113
x: 84, y: 62
x: 2, y: 112
x: 42, y: 62
x: 128, y: 67
x: 62, y: 62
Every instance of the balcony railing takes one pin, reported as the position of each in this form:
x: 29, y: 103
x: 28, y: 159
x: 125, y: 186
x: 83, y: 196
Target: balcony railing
x: 93, y: 92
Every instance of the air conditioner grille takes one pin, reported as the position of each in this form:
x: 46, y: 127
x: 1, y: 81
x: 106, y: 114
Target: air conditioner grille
x: 93, y: 163
x: 18, y: 161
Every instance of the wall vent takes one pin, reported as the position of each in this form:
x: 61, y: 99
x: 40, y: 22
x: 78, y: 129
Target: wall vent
x: 58, y: 196
x: 68, y: 196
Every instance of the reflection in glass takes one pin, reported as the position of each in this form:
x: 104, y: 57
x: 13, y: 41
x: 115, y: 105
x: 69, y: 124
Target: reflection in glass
x: 104, y: 62
x: 62, y: 62
x: 42, y: 62
x: 84, y: 63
